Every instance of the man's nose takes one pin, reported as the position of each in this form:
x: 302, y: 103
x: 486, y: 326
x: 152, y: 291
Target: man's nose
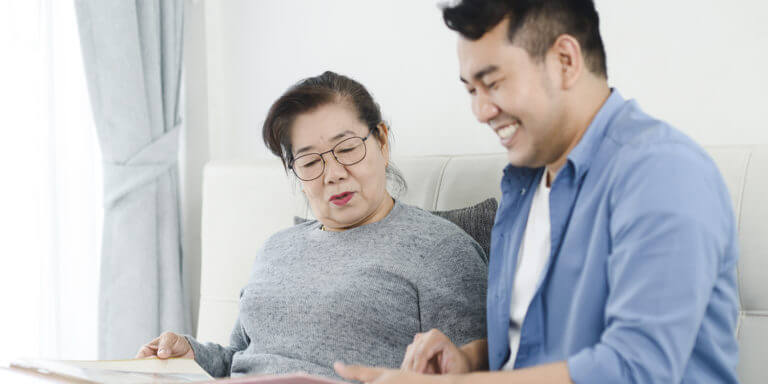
x: 483, y: 108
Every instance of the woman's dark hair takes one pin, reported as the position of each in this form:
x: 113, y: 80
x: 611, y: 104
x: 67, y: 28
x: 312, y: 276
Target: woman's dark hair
x: 536, y: 24
x: 314, y: 92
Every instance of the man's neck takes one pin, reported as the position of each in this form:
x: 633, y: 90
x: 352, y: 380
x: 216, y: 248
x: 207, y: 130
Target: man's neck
x: 583, y: 110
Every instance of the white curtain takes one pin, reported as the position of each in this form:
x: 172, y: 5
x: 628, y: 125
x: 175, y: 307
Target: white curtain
x: 50, y: 194
x: 133, y: 53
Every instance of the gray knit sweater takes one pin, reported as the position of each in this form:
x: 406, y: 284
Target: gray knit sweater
x: 358, y: 296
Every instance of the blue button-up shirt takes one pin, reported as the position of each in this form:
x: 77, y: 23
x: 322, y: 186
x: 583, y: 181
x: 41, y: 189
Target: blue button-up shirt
x: 640, y: 286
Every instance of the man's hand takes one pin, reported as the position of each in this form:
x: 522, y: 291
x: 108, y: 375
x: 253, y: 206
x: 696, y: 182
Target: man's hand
x: 373, y: 375
x: 553, y: 373
x: 434, y: 353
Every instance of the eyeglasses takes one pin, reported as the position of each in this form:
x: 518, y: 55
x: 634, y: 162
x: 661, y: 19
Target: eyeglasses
x: 347, y: 152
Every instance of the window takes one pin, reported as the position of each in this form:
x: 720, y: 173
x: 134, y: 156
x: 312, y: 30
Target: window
x: 50, y: 194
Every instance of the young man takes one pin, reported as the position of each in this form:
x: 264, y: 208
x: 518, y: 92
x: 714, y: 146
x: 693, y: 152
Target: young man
x: 614, y: 252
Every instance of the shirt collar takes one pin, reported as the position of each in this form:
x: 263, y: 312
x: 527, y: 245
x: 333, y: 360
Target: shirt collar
x: 581, y: 156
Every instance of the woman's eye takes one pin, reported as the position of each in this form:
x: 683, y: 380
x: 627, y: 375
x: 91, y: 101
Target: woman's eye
x: 472, y: 91
x: 310, y: 164
x: 345, y: 150
x: 493, y: 85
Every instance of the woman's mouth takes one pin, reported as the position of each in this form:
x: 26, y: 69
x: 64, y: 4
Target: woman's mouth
x: 342, y: 198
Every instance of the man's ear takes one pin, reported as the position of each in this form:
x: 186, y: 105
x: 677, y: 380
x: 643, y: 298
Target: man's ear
x: 383, y: 138
x: 566, y: 59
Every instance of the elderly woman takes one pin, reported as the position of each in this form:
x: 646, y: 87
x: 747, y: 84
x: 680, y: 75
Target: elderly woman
x: 359, y: 282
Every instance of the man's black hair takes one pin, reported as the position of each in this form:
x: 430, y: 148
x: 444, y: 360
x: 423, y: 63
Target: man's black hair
x: 534, y: 25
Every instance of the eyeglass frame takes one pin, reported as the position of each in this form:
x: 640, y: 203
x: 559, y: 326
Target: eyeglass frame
x: 331, y: 151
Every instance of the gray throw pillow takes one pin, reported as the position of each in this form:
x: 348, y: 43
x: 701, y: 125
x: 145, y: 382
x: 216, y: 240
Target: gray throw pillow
x: 476, y: 221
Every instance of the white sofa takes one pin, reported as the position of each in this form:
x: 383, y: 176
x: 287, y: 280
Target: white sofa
x: 243, y: 203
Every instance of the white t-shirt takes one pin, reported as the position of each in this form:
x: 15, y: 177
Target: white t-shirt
x: 532, y: 258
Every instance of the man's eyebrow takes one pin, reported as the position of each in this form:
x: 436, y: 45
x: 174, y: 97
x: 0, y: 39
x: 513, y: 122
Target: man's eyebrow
x: 339, y: 136
x: 481, y: 73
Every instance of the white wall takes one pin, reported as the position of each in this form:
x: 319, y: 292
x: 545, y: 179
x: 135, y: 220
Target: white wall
x: 697, y: 64
x: 398, y: 49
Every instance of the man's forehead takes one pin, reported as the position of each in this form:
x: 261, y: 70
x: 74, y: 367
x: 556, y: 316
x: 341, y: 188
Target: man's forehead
x: 475, y: 55
x: 476, y: 59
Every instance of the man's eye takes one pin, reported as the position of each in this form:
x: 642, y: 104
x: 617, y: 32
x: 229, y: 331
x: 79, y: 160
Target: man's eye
x: 472, y: 91
x: 310, y: 164
x: 493, y: 85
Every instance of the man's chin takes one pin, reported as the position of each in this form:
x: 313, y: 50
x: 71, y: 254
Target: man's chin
x: 518, y: 159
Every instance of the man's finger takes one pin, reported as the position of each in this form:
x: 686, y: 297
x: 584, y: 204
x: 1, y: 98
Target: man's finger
x: 425, y: 353
x: 432, y: 368
x: 408, y: 358
x: 427, y: 342
x: 358, y: 372
x: 434, y: 364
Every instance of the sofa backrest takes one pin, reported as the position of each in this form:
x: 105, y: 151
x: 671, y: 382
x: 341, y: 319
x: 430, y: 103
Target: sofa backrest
x: 244, y: 203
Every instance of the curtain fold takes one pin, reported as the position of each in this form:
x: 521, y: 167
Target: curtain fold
x: 132, y: 51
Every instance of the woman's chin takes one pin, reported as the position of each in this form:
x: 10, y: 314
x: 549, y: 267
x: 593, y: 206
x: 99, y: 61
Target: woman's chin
x: 340, y: 223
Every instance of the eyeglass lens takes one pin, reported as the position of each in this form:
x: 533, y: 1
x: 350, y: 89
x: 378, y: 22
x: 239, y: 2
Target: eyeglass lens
x: 347, y: 152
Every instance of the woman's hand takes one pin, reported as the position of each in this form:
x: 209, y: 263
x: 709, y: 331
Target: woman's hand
x: 167, y: 345
x: 434, y: 353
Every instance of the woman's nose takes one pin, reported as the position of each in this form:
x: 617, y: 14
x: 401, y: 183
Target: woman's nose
x: 334, y: 171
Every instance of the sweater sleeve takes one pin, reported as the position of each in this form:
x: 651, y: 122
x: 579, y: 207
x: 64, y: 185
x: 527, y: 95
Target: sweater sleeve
x: 216, y: 359
x: 452, y: 291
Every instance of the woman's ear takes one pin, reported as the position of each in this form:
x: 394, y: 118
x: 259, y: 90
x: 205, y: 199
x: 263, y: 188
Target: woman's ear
x: 383, y: 138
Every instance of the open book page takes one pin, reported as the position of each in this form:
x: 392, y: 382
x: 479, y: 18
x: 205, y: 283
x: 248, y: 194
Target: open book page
x: 149, y: 370
x: 298, y: 378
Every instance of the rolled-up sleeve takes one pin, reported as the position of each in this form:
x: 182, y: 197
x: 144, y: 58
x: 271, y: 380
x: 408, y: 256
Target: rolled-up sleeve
x: 671, y: 223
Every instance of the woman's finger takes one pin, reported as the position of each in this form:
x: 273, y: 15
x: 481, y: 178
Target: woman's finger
x: 154, y: 342
x: 180, y: 347
x: 145, y: 351
x: 148, y: 349
x: 166, y: 344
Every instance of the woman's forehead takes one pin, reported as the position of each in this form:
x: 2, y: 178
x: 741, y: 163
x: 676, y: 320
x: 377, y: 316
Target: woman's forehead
x: 325, y: 125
